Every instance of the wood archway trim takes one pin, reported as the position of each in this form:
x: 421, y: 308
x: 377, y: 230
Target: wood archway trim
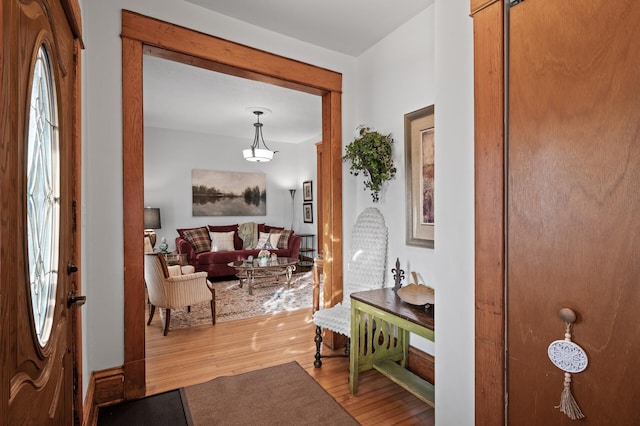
x: 490, y: 208
x: 143, y: 35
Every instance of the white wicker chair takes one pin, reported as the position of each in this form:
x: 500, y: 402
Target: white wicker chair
x: 169, y: 289
x: 366, y: 271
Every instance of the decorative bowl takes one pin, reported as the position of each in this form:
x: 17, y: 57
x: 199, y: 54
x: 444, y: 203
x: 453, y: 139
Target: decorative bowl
x: 417, y: 294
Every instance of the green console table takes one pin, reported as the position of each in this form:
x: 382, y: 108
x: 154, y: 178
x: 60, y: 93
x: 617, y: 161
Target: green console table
x: 381, y: 324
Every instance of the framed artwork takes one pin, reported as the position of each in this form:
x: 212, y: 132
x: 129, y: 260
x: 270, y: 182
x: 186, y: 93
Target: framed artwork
x: 419, y: 155
x: 307, y: 212
x: 217, y: 193
x: 307, y: 191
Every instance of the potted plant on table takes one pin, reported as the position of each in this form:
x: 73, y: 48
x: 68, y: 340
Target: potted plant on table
x: 370, y: 153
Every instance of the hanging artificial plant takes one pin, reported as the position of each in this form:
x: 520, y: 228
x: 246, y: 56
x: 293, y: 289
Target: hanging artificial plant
x: 370, y: 153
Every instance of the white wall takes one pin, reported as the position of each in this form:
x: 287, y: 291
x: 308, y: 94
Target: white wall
x: 454, y: 265
x: 170, y: 156
x: 427, y: 61
x: 397, y: 76
x: 307, y: 170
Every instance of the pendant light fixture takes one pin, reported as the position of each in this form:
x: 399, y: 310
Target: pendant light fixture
x: 255, y: 153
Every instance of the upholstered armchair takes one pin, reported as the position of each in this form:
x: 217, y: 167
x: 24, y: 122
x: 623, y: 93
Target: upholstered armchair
x: 366, y: 271
x: 169, y: 288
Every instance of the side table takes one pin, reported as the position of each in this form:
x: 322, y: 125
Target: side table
x: 381, y: 324
x: 307, y: 249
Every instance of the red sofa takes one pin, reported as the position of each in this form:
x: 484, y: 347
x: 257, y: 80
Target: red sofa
x: 215, y: 263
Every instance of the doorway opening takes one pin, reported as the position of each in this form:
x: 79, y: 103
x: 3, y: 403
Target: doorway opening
x: 143, y: 35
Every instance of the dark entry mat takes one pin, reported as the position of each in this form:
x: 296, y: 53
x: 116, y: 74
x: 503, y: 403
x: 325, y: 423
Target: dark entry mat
x: 165, y: 409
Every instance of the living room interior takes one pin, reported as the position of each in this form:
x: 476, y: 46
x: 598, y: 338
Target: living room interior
x: 169, y: 164
x: 201, y: 119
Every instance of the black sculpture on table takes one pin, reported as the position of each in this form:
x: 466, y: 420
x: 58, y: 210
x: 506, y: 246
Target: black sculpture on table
x: 398, y: 275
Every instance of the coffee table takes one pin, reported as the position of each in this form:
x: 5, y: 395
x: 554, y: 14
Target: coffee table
x: 247, y: 271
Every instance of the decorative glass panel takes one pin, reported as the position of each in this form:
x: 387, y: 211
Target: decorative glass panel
x: 43, y: 197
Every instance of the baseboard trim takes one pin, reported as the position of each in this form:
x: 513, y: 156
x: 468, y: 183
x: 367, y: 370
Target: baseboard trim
x: 90, y: 415
x: 422, y: 364
x: 106, y: 387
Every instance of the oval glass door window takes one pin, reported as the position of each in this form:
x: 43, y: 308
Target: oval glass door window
x: 43, y: 197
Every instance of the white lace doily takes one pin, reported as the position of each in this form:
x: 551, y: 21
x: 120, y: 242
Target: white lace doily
x: 567, y: 356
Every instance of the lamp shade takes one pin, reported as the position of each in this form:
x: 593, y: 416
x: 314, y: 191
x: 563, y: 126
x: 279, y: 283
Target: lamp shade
x: 152, y: 218
x: 257, y: 155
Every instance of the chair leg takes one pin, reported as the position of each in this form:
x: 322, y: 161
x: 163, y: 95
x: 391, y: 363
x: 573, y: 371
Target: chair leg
x: 318, y: 339
x: 347, y: 350
x: 189, y: 309
x: 152, y: 310
x: 167, y: 320
x: 212, y: 289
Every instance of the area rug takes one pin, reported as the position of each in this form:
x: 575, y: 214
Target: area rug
x: 282, y: 395
x: 234, y: 303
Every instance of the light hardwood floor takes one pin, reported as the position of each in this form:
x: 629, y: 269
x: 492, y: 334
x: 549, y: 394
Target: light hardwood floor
x: 194, y: 355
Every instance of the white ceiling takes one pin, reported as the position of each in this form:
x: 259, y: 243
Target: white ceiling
x: 347, y: 26
x: 187, y: 98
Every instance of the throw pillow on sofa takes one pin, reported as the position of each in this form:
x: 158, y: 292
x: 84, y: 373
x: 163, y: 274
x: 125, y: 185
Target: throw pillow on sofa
x: 198, y: 238
x: 283, y: 241
x: 222, y: 241
x: 268, y: 241
x: 237, y: 241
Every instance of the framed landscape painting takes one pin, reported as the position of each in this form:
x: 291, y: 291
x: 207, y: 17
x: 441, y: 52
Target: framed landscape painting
x: 216, y: 193
x: 419, y: 149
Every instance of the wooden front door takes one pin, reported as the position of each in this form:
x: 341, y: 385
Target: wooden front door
x: 39, y: 238
x: 573, y: 207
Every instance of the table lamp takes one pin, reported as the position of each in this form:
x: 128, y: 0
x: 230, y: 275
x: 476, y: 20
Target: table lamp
x: 151, y: 222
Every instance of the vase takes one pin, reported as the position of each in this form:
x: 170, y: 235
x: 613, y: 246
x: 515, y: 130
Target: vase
x: 163, y: 245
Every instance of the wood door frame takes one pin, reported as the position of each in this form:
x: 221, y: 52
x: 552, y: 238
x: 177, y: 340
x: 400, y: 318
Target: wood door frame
x: 144, y: 35
x: 490, y: 210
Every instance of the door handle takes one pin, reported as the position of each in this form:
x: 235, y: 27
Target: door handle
x: 72, y: 299
x: 71, y: 268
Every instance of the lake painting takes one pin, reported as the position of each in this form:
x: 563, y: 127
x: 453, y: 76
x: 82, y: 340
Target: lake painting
x: 217, y: 193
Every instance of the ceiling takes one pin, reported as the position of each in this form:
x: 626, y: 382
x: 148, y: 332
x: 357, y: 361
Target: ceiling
x: 187, y: 98
x: 346, y: 26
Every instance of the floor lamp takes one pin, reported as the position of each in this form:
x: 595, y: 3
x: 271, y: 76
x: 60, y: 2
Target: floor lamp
x: 293, y: 195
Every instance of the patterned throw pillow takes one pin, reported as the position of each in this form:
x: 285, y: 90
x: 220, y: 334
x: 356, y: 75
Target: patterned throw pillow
x: 222, y: 241
x: 267, y: 240
x: 198, y: 238
x: 274, y: 237
x: 283, y: 241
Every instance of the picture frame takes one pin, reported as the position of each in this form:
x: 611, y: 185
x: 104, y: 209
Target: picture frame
x: 224, y: 193
x: 307, y: 191
x: 419, y: 154
x: 307, y: 212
